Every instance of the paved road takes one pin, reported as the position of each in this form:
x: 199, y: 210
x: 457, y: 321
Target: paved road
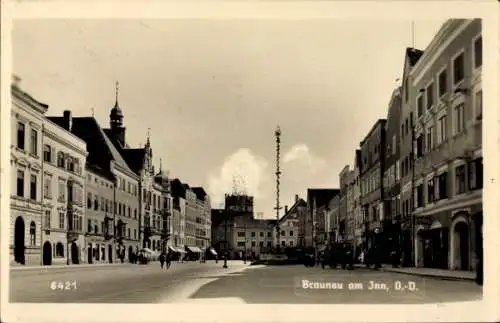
x: 209, y: 282
x: 264, y: 285
x: 125, y: 283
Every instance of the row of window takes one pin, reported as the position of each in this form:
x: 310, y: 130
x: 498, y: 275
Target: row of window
x: 74, y: 192
x: 63, y: 160
x: 458, y: 72
x: 269, y: 244
x: 391, y: 175
x: 468, y: 177
x: 370, y: 184
x: 261, y: 234
x: 21, y: 139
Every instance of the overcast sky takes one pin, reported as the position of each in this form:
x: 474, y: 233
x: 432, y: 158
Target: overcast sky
x: 212, y: 91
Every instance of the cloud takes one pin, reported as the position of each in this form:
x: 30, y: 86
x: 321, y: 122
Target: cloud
x: 302, y: 162
x: 242, y: 168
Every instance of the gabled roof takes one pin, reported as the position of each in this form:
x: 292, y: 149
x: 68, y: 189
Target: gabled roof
x: 177, y: 188
x: 100, y: 148
x: 413, y: 55
x: 321, y: 196
x: 134, y: 158
x: 200, y: 193
x: 300, y: 202
x: 109, y: 132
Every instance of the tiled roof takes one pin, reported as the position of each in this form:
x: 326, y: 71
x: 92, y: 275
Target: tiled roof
x: 414, y: 55
x: 300, y: 202
x: 200, y: 193
x: 177, y: 188
x: 101, y: 150
x: 321, y: 195
x: 109, y: 132
x: 134, y: 158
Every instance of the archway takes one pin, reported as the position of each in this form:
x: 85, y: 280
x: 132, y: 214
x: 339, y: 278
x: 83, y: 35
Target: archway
x: 419, y: 247
x: 47, y: 253
x: 74, y: 254
x: 89, y: 253
x: 461, y: 246
x: 19, y: 237
x: 130, y: 251
x: 110, y: 253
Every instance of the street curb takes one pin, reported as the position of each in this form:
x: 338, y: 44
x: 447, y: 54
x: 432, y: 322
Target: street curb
x: 23, y: 268
x: 450, y: 278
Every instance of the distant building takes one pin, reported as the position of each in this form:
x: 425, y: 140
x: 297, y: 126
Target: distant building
x: 317, y: 199
x: 371, y: 173
x: 289, y: 223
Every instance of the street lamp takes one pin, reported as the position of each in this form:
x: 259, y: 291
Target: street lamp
x: 225, y: 238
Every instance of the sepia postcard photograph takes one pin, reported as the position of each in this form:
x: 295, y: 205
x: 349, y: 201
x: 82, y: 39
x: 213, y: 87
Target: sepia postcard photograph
x: 231, y: 162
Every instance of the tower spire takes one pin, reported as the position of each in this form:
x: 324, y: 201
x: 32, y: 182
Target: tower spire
x: 147, y: 140
x: 117, y: 89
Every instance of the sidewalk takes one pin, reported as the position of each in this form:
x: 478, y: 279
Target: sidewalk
x: 431, y: 272
x: 18, y: 267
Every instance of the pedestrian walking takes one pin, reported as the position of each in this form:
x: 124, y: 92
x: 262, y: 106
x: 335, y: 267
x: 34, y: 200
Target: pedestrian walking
x: 162, y: 260
x: 169, y: 260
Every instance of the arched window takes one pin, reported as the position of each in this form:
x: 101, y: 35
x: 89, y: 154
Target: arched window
x: 59, y: 250
x: 60, y: 159
x: 32, y: 233
x: 71, y: 164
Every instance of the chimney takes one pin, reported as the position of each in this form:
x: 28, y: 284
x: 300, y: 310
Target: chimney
x: 296, y: 198
x: 67, y: 120
x: 286, y: 209
x: 16, y: 80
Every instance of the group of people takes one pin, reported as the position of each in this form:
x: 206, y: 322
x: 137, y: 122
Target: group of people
x: 165, y: 260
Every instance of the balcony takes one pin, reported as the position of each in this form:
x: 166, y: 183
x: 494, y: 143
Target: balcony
x: 72, y: 235
x: 108, y: 236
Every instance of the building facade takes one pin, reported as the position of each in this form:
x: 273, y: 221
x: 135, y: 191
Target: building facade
x: 64, y: 157
x: 51, y: 160
x: 334, y: 219
x: 391, y: 177
x: 356, y: 204
x: 345, y: 221
x: 251, y: 237
x: 289, y: 223
x: 406, y: 153
x: 371, y: 172
x: 447, y: 94
x: 99, y: 215
x: 26, y: 211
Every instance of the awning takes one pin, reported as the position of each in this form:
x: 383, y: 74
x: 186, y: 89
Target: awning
x: 194, y: 249
x: 212, y: 251
x: 177, y: 250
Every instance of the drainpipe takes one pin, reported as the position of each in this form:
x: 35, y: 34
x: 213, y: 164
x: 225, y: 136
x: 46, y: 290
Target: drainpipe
x: 412, y: 199
x: 42, y: 184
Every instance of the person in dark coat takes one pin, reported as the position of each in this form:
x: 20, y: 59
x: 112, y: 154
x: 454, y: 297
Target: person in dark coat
x: 162, y: 260
x: 375, y: 253
x: 168, y: 259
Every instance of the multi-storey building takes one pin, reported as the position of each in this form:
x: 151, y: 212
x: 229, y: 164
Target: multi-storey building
x: 64, y: 157
x: 53, y: 205
x: 289, y: 223
x: 345, y: 178
x: 179, y: 215
x: 203, y: 218
x: 350, y: 227
x: 252, y: 237
x: 100, y: 198
x: 391, y: 177
x: 157, y: 210
x: 27, y: 116
x: 317, y: 198
x: 334, y: 219
x: 412, y: 56
x: 356, y: 204
x: 371, y: 172
x: 163, y: 182
x: 446, y: 92
x: 193, y: 251
x: 139, y: 161
x: 121, y: 217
